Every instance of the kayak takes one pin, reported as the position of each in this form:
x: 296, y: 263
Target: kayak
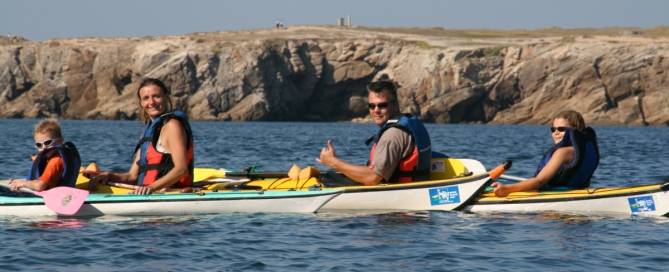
x: 441, y: 195
x: 644, y: 200
x: 177, y: 203
x: 462, y: 192
x: 113, y: 200
x: 456, y: 182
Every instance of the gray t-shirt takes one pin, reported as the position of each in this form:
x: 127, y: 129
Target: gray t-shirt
x: 394, y: 145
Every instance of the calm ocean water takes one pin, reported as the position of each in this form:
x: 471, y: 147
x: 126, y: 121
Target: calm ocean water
x: 340, y: 241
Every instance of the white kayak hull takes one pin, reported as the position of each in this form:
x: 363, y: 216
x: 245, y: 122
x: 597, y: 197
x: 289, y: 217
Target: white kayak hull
x: 179, y: 204
x: 444, y: 195
x: 647, y: 200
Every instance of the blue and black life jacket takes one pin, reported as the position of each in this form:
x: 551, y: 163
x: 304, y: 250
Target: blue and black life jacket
x: 576, y: 174
x: 153, y: 164
x: 416, y: 167
x: 71, y: 160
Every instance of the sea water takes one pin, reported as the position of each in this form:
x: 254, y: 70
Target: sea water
x: 422, y: 240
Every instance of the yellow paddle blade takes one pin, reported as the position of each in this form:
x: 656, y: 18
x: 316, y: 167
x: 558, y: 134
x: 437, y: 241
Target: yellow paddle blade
x: 201, y: 174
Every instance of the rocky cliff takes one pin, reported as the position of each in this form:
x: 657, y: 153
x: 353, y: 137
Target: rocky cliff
x: 299, y: 75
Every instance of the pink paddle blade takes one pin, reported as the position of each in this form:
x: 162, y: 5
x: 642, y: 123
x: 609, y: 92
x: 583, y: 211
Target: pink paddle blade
x: 64, y: 200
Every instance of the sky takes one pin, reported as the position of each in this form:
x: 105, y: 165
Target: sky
x: 40, y: 20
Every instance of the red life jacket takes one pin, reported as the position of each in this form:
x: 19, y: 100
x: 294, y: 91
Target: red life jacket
x: 153, y: 164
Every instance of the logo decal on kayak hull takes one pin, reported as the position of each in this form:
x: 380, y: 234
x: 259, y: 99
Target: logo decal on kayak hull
x: 642, y: 204
x: 437, y: 166
x: 444, y: 195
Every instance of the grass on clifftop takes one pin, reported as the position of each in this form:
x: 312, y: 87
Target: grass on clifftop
x: 658, y: 31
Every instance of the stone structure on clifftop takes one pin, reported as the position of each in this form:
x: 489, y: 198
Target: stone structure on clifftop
x: 305, y: 78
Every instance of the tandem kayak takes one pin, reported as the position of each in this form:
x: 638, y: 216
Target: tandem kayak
x: 110, y: 200
x: 456, y: 183
x: 645, y: 200
x: 176, y: 203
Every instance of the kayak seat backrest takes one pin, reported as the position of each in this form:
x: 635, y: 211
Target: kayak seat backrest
x: 588, y: 158
x: 443, y: 167
x: 576, y: 174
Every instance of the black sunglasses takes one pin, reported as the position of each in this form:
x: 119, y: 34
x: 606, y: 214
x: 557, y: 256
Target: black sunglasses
x: 45, y: 143
x: 560, y: 129
x: 383, y: 105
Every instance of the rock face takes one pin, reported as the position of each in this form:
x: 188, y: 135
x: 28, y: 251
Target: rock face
x: 324, y: 80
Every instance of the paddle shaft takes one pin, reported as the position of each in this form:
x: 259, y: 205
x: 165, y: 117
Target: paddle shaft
x: 89, y: 174
x: 22, y: 189
x: 122, y: 185
x: 161, y: 191
x: 257, y: 174
x: 514, y: 178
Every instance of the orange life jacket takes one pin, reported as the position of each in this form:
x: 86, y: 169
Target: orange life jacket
x: 153, y: 164
x: 415, y: 167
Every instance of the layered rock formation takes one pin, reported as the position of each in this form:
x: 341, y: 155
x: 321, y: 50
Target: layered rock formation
x: 323, y: 79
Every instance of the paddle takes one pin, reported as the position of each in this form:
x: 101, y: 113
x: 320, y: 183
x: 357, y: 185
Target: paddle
x: 62, y: 200
x: 90, y: 174
x: 134, y: 187
x: 203, y: 174
x: 514, y: 178
x: 495, y: 173
x: 200, y: 174
x: 506, y: 177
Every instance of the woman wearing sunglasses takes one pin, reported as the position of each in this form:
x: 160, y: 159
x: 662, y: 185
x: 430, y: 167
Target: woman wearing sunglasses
x: 164, y: 154
x: 570, y: 163
x: 57, y: 163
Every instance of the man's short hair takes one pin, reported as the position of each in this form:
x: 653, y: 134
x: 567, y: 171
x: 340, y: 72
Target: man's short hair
x: 50, y: 126
x: 384, y: 85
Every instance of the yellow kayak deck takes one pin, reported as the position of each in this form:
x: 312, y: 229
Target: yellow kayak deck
x: 564, y: 195
x: 449, y: 171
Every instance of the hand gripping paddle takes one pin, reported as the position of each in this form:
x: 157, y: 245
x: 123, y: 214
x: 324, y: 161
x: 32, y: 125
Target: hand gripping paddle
x: 62, y: 200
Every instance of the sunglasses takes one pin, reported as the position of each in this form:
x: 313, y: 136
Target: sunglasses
x: 46, y: 142
x: 560, y: 129
x: 383, y: 105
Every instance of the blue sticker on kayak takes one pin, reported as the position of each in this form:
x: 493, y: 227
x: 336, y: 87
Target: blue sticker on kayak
x: 445, y: 195
x: 642, y: 204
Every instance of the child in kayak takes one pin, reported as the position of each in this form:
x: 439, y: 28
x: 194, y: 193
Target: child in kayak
x: 57, y: 163
x: 570, y: 163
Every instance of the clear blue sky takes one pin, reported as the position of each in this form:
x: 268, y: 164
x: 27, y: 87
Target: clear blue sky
x: 46, y: 19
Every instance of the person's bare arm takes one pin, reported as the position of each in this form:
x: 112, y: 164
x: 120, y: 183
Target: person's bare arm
x: 561, y: 156
x: 358, y: 173
x: 35, y: 185
x: 127, y: 178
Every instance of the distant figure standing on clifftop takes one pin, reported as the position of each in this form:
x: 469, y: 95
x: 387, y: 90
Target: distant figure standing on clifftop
x: 281, y: 24
x: 277, y: 23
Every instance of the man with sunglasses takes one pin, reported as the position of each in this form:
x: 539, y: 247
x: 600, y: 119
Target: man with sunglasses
x: 57, y: 163
x: 402, y: 148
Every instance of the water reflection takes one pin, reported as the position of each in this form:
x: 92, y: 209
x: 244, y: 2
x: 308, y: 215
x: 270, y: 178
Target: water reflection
x: 67, y: 223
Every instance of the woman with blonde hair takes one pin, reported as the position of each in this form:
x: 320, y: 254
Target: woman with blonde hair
x: 569, y: 163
